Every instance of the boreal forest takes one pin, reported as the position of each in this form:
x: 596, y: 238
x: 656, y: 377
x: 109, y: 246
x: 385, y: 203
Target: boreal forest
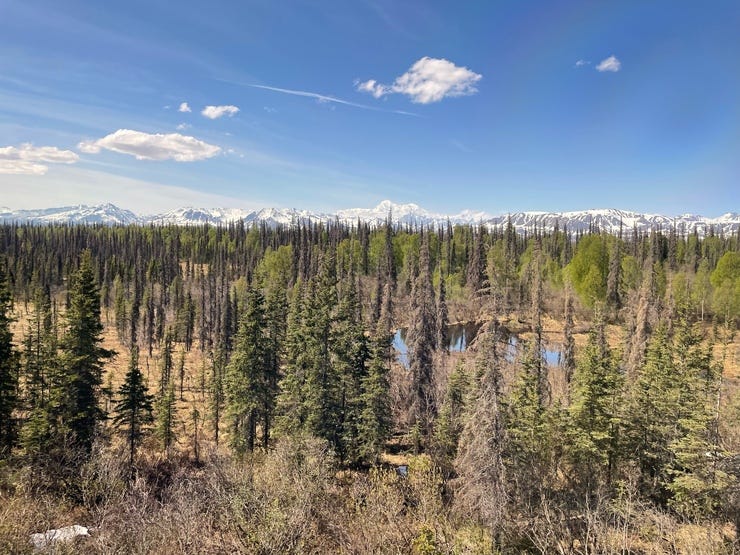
x: 353, y: 389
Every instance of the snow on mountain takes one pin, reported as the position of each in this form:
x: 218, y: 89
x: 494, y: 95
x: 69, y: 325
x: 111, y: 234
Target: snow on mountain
x: 107, y: 214
x: 287, y: 216
x: 410, y: 214
x: 609, y: 220
x: 730, y: 217
x: 195, y: 216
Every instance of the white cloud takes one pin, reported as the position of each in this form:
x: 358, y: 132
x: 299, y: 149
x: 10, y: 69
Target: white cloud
x: 183, y: 126
x: 609, y: 64
x: 215, y: 112
x: 21, y: 167
x: 374, y: 88
x: 22, y: 159
x: 581, y: 63
x: 428, y: 80
x: 89, y: 147
x: 146, y: 146
x: 184, y: 107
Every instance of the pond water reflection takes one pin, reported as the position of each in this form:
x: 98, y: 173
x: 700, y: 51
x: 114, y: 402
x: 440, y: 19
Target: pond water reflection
x: 460, y: 336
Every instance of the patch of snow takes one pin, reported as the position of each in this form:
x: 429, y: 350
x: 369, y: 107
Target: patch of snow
x: 60, y: 535
x: 605, y: 219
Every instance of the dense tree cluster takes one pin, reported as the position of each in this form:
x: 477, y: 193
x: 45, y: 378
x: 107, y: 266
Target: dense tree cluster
x: 259, y: 333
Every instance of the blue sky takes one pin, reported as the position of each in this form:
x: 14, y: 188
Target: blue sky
x: 495, y: 106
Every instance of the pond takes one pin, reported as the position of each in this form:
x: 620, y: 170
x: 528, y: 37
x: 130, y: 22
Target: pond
x: 551, y: 355
x: 460, y: 336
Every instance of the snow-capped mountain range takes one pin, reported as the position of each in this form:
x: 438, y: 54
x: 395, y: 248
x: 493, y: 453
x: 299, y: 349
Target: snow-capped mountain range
x: 608, y: 220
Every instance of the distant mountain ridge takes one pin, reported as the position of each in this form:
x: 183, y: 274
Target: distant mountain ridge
x: 99, y: 214
x: 608, y: 220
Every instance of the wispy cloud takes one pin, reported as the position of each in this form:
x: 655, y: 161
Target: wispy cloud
x: 183, y: 126
x: 609, y: 64
x: 146, y: 146
x: 428, y: 80
x: 326, y: 98
x: 581, y: 63
x: 26, y: 159
x: 184, y: 107
x: 215, y: 112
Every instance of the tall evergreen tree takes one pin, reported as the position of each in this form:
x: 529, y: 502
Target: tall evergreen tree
x: 376, y: 419
x: 246, y: 375
x: 275, y: 323
x: 388, y: 266
x: 449, y: 423
x: 166, y: 417
x: 613, y: 278
x: 595, y: 410
x: 75, y: 396
x: 422, y: 340
x: 216, y: 388
x: 350, y: 355
x: 443, y: 340
x: 568, y: 357
x: 9, y: 368
x: 536, y: 363
x: 166, y: 399
x: 133, y: 410
x: 323, y: 382
x: 291, y: 400
x: 40, y: 369
x: 654, y: 411
x: 166, y: 363
x: 528, y: 426
x: 476, y: 270
x: 696, y: 480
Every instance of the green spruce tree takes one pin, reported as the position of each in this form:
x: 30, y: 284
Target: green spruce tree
x: 350, y: 355
x: 697, y: 480
x: 40, y: 366
x: 654, y: 410
x: 9, y: 368
x: 376, y: 417
x: 422, y: 342
x: 246, y: 375
x: 76, y: 394
x: 595, y: 411
x: 133, y: 410
x: 166, y: 403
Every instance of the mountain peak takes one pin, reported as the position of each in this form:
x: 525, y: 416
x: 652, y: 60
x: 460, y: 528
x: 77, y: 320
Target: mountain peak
x: 606, y: 219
